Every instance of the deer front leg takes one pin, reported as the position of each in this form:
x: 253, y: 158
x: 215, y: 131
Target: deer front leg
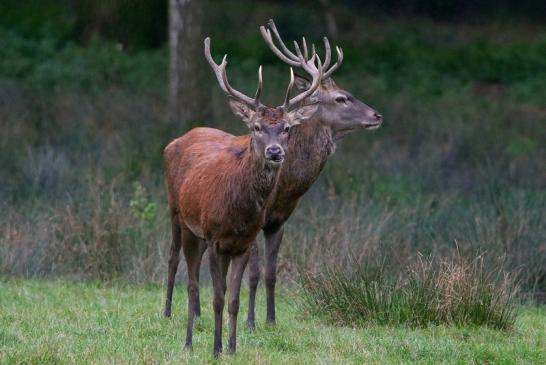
x: 273, y: 240
x: 253, y: 280
x: 173, y: 263
x: 237, y: 270
x: 219, y: 264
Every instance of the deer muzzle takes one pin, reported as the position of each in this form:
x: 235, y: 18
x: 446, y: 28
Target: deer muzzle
x: 274, y: 153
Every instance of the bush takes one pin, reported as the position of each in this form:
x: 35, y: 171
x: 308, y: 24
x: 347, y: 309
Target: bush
x: 450, y: 291
x: 105, y: 235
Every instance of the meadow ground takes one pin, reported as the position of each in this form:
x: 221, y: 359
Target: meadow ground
x: 59, y: 321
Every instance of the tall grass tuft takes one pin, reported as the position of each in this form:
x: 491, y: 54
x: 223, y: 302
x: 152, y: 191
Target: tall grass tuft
x: 450, y: 291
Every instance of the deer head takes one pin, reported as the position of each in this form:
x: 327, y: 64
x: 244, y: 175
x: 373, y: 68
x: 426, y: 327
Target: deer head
x: 338, y: 108
x: 269, y: 126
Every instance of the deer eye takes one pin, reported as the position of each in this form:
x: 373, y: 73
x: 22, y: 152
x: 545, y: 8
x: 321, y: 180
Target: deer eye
x: 341, y: 99
x: 286, y: 128
x: 257, y: 127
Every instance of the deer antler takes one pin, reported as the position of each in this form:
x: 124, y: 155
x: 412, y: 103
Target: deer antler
x: 292, y: 59
x: 311, y: 69
x: 221, y: 76
x: 308, y: 65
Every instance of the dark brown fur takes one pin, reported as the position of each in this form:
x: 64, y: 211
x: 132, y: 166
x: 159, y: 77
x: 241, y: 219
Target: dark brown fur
x: 309, y: 147
x: 340, y: 113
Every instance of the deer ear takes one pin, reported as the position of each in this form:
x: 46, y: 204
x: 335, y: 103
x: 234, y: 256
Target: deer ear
x: 241, y: 110
x: 302, y: 113
x: 328, y: 83
x: 302, y: 83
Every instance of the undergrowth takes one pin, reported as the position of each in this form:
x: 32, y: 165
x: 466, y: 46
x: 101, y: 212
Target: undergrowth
x: 449, y: 291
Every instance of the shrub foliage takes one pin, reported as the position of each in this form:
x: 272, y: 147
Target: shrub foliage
x: 451, y: 291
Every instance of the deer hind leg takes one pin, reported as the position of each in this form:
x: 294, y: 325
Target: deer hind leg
x: 253, y: 280
x: 219, y: 264
x: 193, y: 252
x: 202, y: 249
x: 173, y: 263
x: 237, y: 270
x: 273, y: 240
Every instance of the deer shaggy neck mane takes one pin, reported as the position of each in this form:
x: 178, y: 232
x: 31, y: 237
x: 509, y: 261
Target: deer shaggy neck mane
x: 309, y: 147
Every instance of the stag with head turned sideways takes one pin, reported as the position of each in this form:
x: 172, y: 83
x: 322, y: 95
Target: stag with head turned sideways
x: 218, y: 187
x: 309, y: 147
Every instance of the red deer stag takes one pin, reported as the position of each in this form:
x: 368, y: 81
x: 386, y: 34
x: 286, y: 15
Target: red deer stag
x: 309, y: 146
x: 218, y: 186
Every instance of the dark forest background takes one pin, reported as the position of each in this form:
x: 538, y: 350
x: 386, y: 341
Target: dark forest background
x: 457, y: 166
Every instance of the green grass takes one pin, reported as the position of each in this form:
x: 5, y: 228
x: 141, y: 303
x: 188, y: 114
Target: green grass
x: 55, y: 322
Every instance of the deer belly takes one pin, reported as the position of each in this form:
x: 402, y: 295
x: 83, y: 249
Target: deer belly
x: 235, y: 246
x: 232, y: 238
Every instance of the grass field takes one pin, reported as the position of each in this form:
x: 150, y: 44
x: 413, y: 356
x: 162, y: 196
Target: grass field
x: 56, y: 322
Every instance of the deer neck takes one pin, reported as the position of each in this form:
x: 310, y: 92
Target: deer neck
x: 309, y: 146
x: 261, y: 176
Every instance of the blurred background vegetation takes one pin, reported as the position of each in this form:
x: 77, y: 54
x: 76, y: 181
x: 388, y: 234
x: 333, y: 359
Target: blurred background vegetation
x: 457, y: 166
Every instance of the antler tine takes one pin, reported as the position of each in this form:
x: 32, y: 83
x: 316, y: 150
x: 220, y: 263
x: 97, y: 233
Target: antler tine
x: 266, y: 34
x: 328, y: 52
x: 317, y: 76
x: 294, y: 59
x: 304, y: 63
x: 231, y: 91
x: 272, y: 26
x: 337, y: 64
x: 288, y: 56
x: 286, y: 103
x: 259, y: 89
x: 214, y: 65
x: 221, y: 76
x: 303, y: 60
x: 298, y: 51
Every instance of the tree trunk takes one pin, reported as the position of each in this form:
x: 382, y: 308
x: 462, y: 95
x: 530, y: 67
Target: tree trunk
x: 188, y: 94
x: 329, y: 18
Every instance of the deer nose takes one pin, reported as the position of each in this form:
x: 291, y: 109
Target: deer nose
x: 273, y: 149
x: 377, y: 116
x: 274, y: 152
